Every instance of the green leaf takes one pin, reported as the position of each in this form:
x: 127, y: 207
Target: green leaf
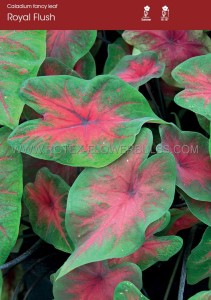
x: 199, y: 261
x: 46, y: 200
x: 95, y: 281
x: 191, y: 152
x: 128, y: 291
x: 139, y: 69
x: 10, y: 195
x: 204, y: 123
x: 200, y: 209
x: 204, y: 295
x: 85, y: 122
x: 172, y: 46
x: 155, y: 248
x: 86, y: 67
x: 21, y: 54
x: 195, y: 76
x: 116, y: 51
x: 108, y: 204
x: 69, y: 46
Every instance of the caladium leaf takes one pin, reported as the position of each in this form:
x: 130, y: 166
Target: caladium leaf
x: 122, y: 199
x: 204, y: 295
x: 10, y: 195
x: 172, y: 46
x: 69, y: 46
x: 200, y: 209
x: 21, y: 54
x: 95, y: 281
x: 52, y: 66
x: 155, y: 248
x: 128, y: 291
x: 199, y: 261
x: 180, y: 219
x: 138, y: 69
x: 195, y: 76
x: 46, y: 200
x: 116, y: 51
x: 191, y: 152
x: 204, y: 123
x: 86, y: 67
x: 85, y: 123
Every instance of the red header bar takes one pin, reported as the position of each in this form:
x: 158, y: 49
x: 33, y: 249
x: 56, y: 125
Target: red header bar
x: 109, y: 14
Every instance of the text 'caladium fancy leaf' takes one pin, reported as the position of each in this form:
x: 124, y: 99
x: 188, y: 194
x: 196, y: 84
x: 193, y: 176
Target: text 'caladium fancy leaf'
x: 109, y: 204
x: 128, y: 291
x: 199, y: 261
x: 85, y: 122
x: 204, y: 295
x: 191, y: 152
x: 155, y: 248
x: 172, y: 46
x: 116, y: 51
x: 195, y: 76
x: 46, y: 200
x: 95, y: 281
x: 21, y: 54
x: 69, y: 46
x: 138, y: 69
x: 10, y: 195
x: 200, y: 209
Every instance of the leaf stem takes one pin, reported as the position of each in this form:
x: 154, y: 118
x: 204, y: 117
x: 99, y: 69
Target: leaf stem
x: 153, y: 100
x: 161, y: 99
x: 185, y: 257
x: 22, y: 257
x: 30, y: 268
x: 172, y: 276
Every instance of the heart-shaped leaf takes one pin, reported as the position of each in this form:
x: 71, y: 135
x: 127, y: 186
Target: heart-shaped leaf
x: 46, y: 200
x: 116, y: 51
x: 200, y: 209
x: 10, y: 195
x: 69, y: 46
x: 138, y: 69
x: 95, y: 281
x: 21, y: 54
x: 199, y: 261
x: 195, y: 76
x: 85, y: 123
x: 155, y: 248
x: 172, y: 46
x: 128, y: 291
x: 121, y: 200
x: 204, y: 295
x: 191, y: 152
